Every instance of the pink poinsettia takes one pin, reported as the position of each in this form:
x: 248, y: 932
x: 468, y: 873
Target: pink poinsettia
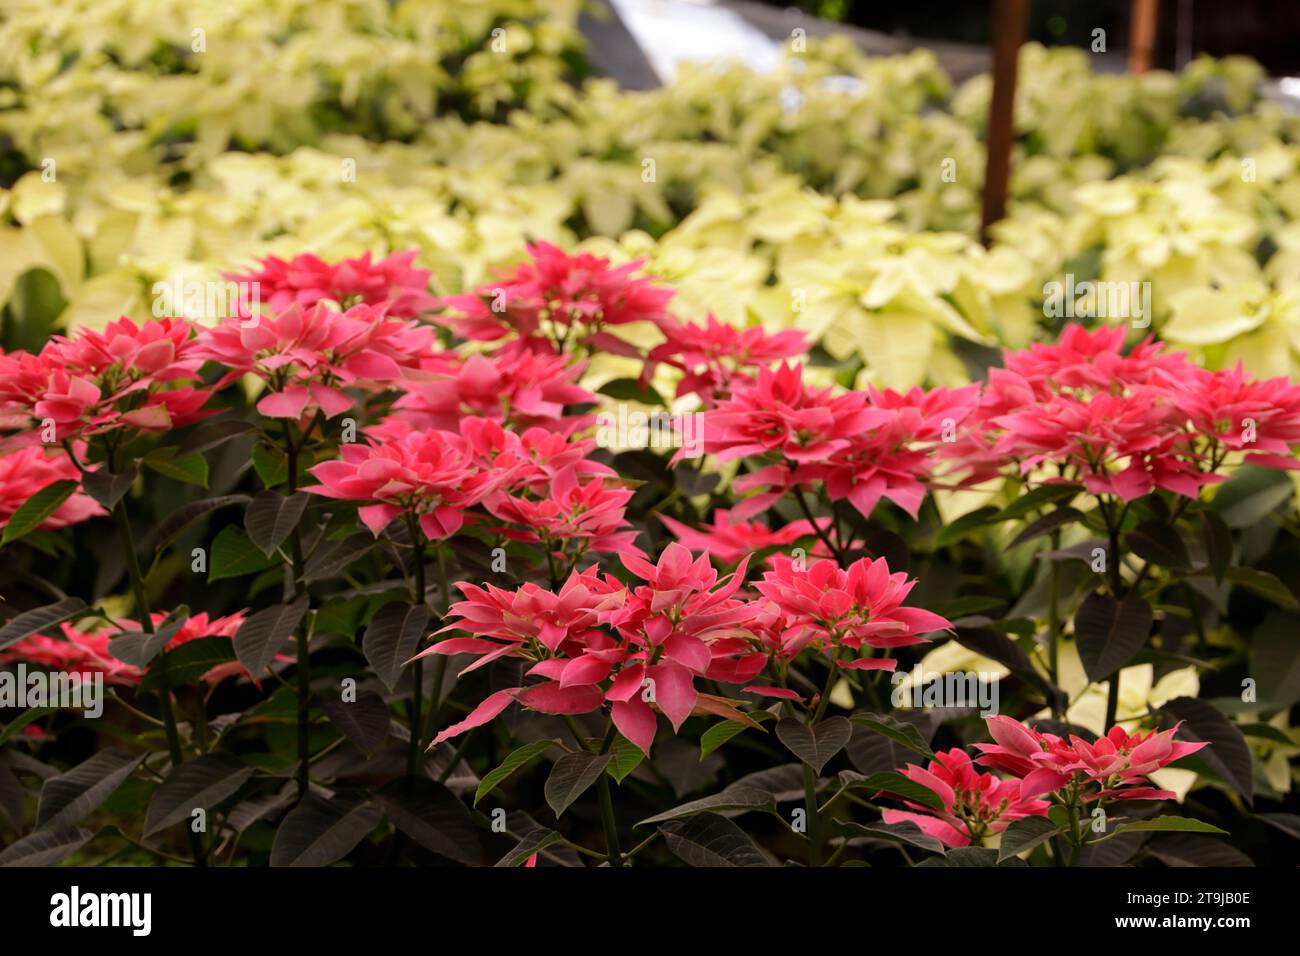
x: 83, y: 652
x: 974, y: 803
x: 847, y: 610
x: 714, y: 355
x: 306, y: 280
x: 308, y: 356
x: 127, y: 376
x: 553, y: 299
x: 728, y: 540
x: 512, y: 385
x: 596, y: 641
x: 432, y: 476
x: 25, y: 471
x: 1114, y: 766
x: 571, y: 517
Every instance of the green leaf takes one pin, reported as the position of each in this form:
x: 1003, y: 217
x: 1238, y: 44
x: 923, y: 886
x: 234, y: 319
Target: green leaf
x: 535, y: 841
x: 183, y: 517
x: 211, y: 434
x: 631, y: 390
x: 711, y: 840
x: 190, y: 469
x: 898, y: 785
x: 1275, y: 658
x: 904, y: 832
x: 517, y: 760
x: 903, y: 734
x: 815, y: 746
x: 1025, y: 834
x: 46, y: 847
x: 234, y: 555
x: 271, y: 518
x: 138, y: 648
x: 1250, y: 494
x: 719, y: 734
x: 392, y: 639
x: 1110, y: 632
x: 1046, y: 525
x: 1217, y: 540
x: 264, y: 634
x: 627, y: 757
x: 1166, y: 824
x: 332, y: 558
x: 107, y: 488
x: 571, y: 776
x: 433, y: 817
x: 1263, y: 584
x: 318, y: 832
x: 39, y: 619
x: 68, y: 797
x: 1228, y: 754
x: 36, y: 509
x: 23, y: 719
x: 188, y: 662
x: 738, y: 796
x: 963, y: 526
x: 202, y: 783
x: 1036, y: 498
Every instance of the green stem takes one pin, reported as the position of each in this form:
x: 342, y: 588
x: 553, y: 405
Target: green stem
x: 295, y: 583
x: 810, y: 806
x: 415, y: 753
x: 607, y: 821
x: 1054, y: 627
x: 164, y: 685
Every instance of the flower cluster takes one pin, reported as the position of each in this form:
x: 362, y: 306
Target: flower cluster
x: 306, y: 280
x: 715, y: 357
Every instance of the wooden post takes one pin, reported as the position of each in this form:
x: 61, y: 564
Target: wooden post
x: 1008, y: 29
x: 1142, y: 35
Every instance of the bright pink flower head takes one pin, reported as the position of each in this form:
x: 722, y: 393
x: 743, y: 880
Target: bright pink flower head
x: 512, y: 385
x: 306, y: 280
x: 552, y: 293
x: 715, y: 354
x: 728, y: 540
x: 87, y: 652
x: 1261, y: 418
x: 974, y: 803
x: 127, y: 376
x: 847, y: 609
x: 430, y: 475
x: 307, y: 356
x: 573, y: 517
x: 25, y: 471
x: 1118, y: 763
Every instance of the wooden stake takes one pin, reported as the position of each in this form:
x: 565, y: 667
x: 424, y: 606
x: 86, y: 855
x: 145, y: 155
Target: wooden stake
x: 1008, y: 30
x: 1142, y: 35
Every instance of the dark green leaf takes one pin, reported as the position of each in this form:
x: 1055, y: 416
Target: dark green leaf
x: 318, y: 832
x: 190, y: 661
x: 138, y: 648
x: 33, y: 512
x: 631, y: 390
x: 1217, y: 540
x: 1159, y: 543
x: 433, y: 817
x: 234, y: 555
x: 571, y: 776
x: 1167, y: 824
x: 533, y: 842
x: 39, y: 619
x: 815, y: 746
x: 1250, y: 494
x: 68, y: 797
x: 202, y: 783
x: 517, y: 759
x: 1036, y: 498
x: 904, y: 832
x: 190, y: 469
x: 1025, y: 834
x: 1110, y: 632
x: 711, y: 840
x: 1228, y: 754
x: 263, y: 635
x: 271, y: 518
x: 963, y: 526
x: 107, y: 488
x: 46, y: 847
x: 902, y: 734
x: 364, y: 721
x: 899, y: 786
x: 332, y: 558
x: 627, y: 757
x: 183, y: 517
x: 1046, y: 524
x: 392, y: 638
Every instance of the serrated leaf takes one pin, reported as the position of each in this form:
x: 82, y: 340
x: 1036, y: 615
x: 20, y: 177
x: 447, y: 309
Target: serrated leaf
x: 39, y: 619
x: 517, y: 760
x: 571, y: 776
x: 261, y: 636
x: 392, y: 638
x: 904, y: 735
x: 202, y: 783
x: 710, y: 840
x: 68, y: 797
x: 815, y: 746
x: 1025, y: 834
x: 271, y: 518
x: 1110, y: 632
x: 318, y: 832
x: 36, y: 509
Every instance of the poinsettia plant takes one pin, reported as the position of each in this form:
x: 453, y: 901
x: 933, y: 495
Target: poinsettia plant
x: 361, y: 576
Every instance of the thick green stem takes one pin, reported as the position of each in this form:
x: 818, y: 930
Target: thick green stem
x: 415, y: 753
x: 814, y: 823
x: 164, y: 686
x: 607, y: 821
